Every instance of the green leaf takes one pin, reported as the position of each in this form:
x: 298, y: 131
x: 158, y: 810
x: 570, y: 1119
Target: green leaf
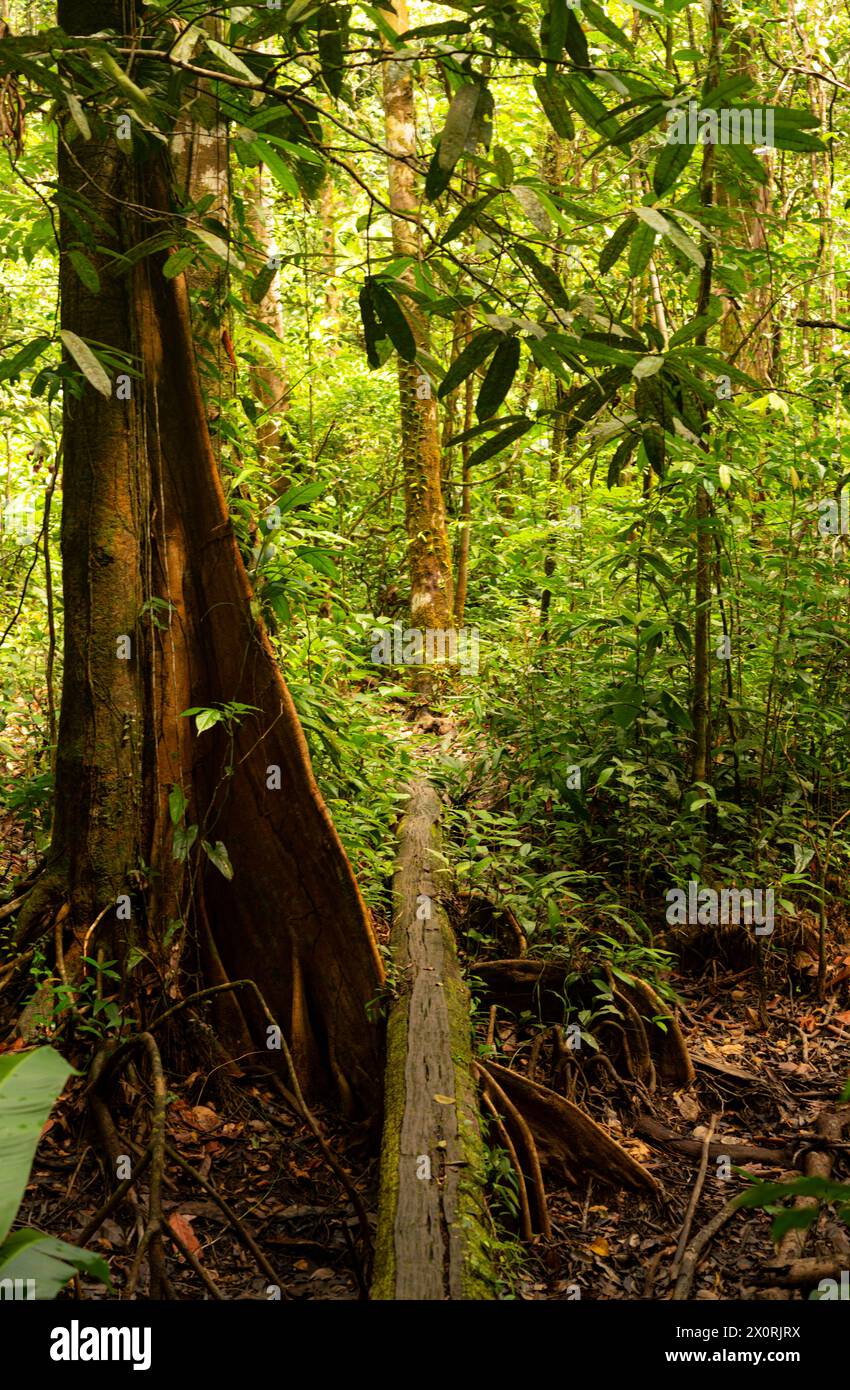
x: 49, y: 1262
x: 177, y: 804
x: 468, y: 124
x: 588, y: 105
x: 532, y: 206
x: 437, y: 178
x: 207, y: 718
x: 575, y: 41
x: 231, y: 61
x: 393, y: 322
x: 218, y: 246
x: 552, y: 97
x: 553, y: 30
x: 672, y: 160
x: 477, y: 349
x: 499, y: 442
x: 319, y: 560
x: 262, y: 283
x: 684, y: 244
x: 616, y: 244
x: 219, y: 856
x: 640, y: 124
x: 641, y: 249
x: 371, y: 331
x: 653, y: 443
x: 29, y: 1084
x: 548, y: 279
x: 23, y: 358
x: 184, y: 838
x: 621, y: 457
x: 747, y: 162
x: 499, y: 378
x: 647, y: 366
x: 178, y: 261
x: 654, y: 219
x: 332, y: 25
x: 597, y: 17
x: 87, y: 362
x: 78, y: 115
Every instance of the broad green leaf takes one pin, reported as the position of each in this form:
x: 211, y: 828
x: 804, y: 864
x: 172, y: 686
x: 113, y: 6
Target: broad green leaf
x: 393, y: 322
x: 476, y: 351
x: 532, y: 206
x: 647, y: 366
x: 178, y: 261
x: 468, y: 124
x: 231, y: 61
x: 207, y: 718
x: 548, y: 279
x: 29, y: 1084
x: 683, y: 242
x: 12, y: 366
x: 575, y: 41
x: 654, y: 219
x: 87, y: 362
x: 616, y: 244
x: 217, y: 853
x: 500, y: 441
x: 372, y: 333
x: 552, y: 97
x: 218, y: 246
x: 49, y: 1262
x: 672, y: 160
x: 641, y: 249
x: 85, y: 270
x: 78, y: 115
x: 499, y: 378
x: 177, y: 804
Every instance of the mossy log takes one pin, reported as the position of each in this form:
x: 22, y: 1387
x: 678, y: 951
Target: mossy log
x: 432, y: 1238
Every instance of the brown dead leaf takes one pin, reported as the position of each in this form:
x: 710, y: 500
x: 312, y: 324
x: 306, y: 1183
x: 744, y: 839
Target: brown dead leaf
x: 182, y: 1227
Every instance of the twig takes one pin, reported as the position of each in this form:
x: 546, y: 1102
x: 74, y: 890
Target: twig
x: 699, y: 1243
x: 695, y: 1196
x: 241, y: 1230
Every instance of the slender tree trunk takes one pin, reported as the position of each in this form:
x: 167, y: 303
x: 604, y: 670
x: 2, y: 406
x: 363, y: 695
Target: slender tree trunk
x: 158, y: 619
x: 701, y: 710
x: 269, y: 380
x: 429, y: 558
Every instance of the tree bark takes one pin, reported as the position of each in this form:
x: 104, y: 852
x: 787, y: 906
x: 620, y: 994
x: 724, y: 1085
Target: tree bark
x: 431, y: 1238
x: 159, y: 618
x: 428, y: 551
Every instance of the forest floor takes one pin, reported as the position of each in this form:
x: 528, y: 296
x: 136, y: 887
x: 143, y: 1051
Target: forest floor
x: 762, y: 1074
x: 765, y: 1089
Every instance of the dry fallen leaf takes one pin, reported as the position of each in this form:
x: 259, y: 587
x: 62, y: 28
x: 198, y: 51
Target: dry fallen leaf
x: 182, y: 1228
x: 203, y: 1117
x: 600, y: 1246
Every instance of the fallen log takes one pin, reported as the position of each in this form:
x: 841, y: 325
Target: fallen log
x: 432, y: 1239
x: 657, y: 1133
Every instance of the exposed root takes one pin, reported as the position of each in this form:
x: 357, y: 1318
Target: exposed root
x: 564, y: 1135
x: 512, y: 1114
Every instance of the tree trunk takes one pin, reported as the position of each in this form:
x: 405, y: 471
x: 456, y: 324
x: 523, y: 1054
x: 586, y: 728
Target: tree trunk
x: 429, y: 556
x: 158, y: 619
x: 269, y: 381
